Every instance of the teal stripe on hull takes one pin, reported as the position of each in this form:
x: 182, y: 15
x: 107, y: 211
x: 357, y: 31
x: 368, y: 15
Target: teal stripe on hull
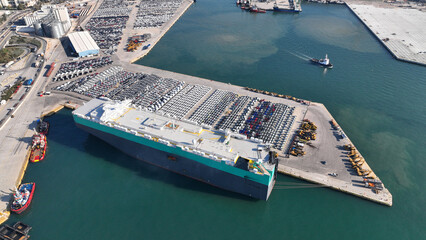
x: 263, y: 179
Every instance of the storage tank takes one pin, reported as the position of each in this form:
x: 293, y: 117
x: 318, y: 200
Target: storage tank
x: 56, y: 30
x: 61, y: 29
x: 38, y: 29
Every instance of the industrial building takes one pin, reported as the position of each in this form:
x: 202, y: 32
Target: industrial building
x: 15, y: 3
x: 83, y: 44
x: 50, y: 21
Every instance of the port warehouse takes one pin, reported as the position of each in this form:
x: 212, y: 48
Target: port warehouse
x: 83, y: 44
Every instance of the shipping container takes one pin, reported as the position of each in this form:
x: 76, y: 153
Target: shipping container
x: 52, y: 66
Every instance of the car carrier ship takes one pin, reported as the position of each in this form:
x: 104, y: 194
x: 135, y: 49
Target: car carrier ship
x: 221, y: 158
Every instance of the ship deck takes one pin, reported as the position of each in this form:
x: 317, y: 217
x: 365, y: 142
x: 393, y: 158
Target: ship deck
x: 184, y: 133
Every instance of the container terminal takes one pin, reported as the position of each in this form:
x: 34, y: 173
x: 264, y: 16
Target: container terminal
x: 289, y: 135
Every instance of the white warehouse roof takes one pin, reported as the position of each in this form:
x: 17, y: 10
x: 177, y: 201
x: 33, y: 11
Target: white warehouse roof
x: 82, y: 41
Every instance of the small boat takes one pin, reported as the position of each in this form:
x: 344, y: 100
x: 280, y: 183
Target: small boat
x: 255, y: 9
x: 323, y: 62
x: 22, y: 197
x: 38, y: 148
x: 238, y: 2
x: 171, y: 158
x: 43, y: 127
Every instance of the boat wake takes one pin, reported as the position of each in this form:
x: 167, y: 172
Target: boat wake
x: 300, y: 55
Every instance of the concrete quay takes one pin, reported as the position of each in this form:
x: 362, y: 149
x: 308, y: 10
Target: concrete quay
x: 156, y: 34
x: 16, y: 138
x: 326, y: 155
x: 400, y: 30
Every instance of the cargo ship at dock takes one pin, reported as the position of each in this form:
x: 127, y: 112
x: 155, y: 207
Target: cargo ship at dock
x: 223, y: 159
x: 289, y: 6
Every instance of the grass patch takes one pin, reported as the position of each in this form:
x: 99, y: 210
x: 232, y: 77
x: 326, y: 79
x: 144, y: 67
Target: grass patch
x: 9, y: 54
x: 24, y: 40
x: 7, y: 93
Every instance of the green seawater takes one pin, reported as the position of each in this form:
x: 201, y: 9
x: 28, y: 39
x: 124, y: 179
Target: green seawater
x: 88, y: 190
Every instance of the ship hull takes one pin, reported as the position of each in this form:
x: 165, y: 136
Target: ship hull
x: 286, y: 10
x: 317, y: 61
x: 30, y: 198
x: 171, y: 161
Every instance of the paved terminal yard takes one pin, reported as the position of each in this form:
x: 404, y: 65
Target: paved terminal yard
x: 401, y: 30
x: 327, y: 162
x: 156, y: 28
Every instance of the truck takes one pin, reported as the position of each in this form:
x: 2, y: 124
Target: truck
x: 9, y: 64
x: 52, y: 66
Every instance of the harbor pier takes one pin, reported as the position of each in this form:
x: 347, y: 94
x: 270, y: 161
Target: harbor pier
x: 326, y: 160
x: 396, y: 28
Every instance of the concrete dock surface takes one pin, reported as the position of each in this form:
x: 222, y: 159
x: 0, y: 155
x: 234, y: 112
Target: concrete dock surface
x: 156, y: 34
x: 325, y: 156
x: 401, y: 30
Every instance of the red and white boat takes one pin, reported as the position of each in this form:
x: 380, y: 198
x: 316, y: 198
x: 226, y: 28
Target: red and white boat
x: 38, y: 148
x: 22, y: 197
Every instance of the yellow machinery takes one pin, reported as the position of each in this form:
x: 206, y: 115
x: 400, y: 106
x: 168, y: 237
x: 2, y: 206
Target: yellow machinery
x: 133, y: 45
x: 297, y: 152
x: 349, y: 147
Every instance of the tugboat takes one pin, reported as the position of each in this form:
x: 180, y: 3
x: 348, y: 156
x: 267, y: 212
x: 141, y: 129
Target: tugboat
x: 43, y: 127
x: 255, y: 9
x: 22, y: 197
x: 38, y: 149
x: 323, y: 62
